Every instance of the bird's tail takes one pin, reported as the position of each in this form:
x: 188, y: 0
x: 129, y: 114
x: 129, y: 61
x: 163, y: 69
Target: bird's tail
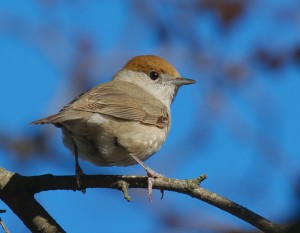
x: 48, y: 120
x: 61, y: 117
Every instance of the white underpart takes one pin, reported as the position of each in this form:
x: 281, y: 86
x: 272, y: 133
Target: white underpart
x: 97, y: 119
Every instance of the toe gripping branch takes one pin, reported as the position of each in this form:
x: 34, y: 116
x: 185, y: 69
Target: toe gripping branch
x: 124, y: 186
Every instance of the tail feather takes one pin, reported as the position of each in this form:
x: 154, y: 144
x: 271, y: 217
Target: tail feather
x: 61, y: 118
x: 47, y: 120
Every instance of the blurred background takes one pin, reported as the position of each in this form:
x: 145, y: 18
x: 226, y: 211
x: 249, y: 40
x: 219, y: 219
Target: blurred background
x: 239, y: 123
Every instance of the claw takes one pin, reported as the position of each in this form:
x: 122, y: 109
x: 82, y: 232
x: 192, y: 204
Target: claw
x: 151, y: 176
x: 150, y: 185
x: 150, y: 173
x: 79, y: 174
x: 162, y: 194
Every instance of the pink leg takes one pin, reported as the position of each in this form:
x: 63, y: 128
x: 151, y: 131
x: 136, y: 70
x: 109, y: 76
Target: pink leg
x: 150, y: 173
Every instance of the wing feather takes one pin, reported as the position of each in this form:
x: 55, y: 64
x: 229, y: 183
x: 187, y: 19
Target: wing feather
x: 122, y: 100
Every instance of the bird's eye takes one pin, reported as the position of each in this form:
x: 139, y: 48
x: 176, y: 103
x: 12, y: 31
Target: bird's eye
x: 153, y: 75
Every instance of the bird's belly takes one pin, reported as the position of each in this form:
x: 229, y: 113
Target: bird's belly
x: 142, y: 140
x: 139, y: 139
x: 112, y: 143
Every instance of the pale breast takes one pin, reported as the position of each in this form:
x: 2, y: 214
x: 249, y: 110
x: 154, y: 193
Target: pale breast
x: 139, y: 139
x: 108, y: 142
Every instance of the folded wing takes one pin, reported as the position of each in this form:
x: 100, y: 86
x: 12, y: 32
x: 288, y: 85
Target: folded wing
x: 118, y: 99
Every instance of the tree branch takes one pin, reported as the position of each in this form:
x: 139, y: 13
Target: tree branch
x: 17, y: 192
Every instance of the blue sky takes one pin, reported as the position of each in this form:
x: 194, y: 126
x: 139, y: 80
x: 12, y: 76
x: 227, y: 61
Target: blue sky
x: 242, y: 131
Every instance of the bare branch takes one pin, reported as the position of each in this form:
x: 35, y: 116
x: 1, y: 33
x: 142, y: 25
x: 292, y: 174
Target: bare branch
x: 27, y: 186
x: 14, y: 192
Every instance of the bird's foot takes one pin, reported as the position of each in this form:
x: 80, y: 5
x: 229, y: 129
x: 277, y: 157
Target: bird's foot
x: 151, y: 176
x: 79, y: 174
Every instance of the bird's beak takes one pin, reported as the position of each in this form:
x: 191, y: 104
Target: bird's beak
x: 182, y: 81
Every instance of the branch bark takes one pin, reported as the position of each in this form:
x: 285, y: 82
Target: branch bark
x: 18, y: 193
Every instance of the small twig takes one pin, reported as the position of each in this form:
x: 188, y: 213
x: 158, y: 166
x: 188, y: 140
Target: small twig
x: 123, y: 186
x: 3, y: 226
x: 201, y: 178
x: 2, y: 223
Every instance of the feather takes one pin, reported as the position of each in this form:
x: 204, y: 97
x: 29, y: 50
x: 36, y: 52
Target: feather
x: 120, y: 99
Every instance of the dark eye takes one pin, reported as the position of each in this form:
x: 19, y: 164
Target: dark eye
x: 153, y: 75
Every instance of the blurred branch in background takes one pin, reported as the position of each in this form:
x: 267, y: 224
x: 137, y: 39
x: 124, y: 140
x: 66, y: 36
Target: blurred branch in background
x: 239, y: 50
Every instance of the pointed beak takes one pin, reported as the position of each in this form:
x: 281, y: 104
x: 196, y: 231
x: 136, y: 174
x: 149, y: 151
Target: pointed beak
x: 182, y: 81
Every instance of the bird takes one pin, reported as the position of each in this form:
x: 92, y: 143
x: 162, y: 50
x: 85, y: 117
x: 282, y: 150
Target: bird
x: 124, y: 121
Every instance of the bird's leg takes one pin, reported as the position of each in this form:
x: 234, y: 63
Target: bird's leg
x: 78, y: 171
x: 150, y: 174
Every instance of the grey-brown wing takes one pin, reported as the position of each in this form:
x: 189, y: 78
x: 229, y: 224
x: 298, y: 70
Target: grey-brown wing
x: 122, y: 100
